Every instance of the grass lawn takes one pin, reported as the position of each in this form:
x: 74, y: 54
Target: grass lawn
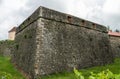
x: 114, y: 67
x: 6, y: 66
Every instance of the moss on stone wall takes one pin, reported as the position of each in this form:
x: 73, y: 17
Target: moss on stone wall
x: 6, y: 47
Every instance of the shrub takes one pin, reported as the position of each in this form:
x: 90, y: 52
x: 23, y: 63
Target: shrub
x: 4, y: 75
x: 107, y: 74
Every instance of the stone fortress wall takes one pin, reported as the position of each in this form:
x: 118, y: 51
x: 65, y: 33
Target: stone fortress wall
x: 115, y: 44
x: 6, y: 48
x: 50, y: 42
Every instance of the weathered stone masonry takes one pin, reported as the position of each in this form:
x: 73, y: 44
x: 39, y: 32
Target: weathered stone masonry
x: 49, y: 42
x: 115, y: 44
x: 6, y: 48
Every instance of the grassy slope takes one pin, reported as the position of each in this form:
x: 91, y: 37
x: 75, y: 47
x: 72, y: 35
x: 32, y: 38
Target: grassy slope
x: 114, y: 67
x: 6, y: 66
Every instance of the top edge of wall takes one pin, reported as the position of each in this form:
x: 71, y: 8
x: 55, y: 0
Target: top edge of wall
x: 50, y: 14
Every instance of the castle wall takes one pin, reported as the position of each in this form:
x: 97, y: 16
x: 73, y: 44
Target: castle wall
x: 6, y: 48
x: 115, y: 43
x: 25, y: 47
x: 50, y: 42
x: 67, y: 46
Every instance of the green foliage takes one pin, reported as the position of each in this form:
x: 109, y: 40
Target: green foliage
x: 78, y: 74
x: 5, y: 75
x: 113, y: 67
x: 107, y: 74
x: 7, y: 70
x: 8, y: 42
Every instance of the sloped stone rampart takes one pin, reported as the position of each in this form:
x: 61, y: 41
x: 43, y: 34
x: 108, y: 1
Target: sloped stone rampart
x: 50, y: 42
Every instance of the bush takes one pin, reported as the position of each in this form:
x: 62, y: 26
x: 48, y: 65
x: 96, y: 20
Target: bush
x: 107, y: 74
x: 8, y: 42
x: 4, y: 75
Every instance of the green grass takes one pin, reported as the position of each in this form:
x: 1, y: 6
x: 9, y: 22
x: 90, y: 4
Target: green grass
x: 114, y: 67
x: 6, y: 66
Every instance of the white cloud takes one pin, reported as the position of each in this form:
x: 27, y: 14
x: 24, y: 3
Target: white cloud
x: 78, y: 8
x: 111, y: 10
x: 0, y: 1
x: 9, y: 16
x: 112, y: 7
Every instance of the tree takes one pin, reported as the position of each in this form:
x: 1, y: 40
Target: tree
x: 117, y: 30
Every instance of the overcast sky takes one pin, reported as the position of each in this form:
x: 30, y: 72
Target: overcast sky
x: 14, y: 12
